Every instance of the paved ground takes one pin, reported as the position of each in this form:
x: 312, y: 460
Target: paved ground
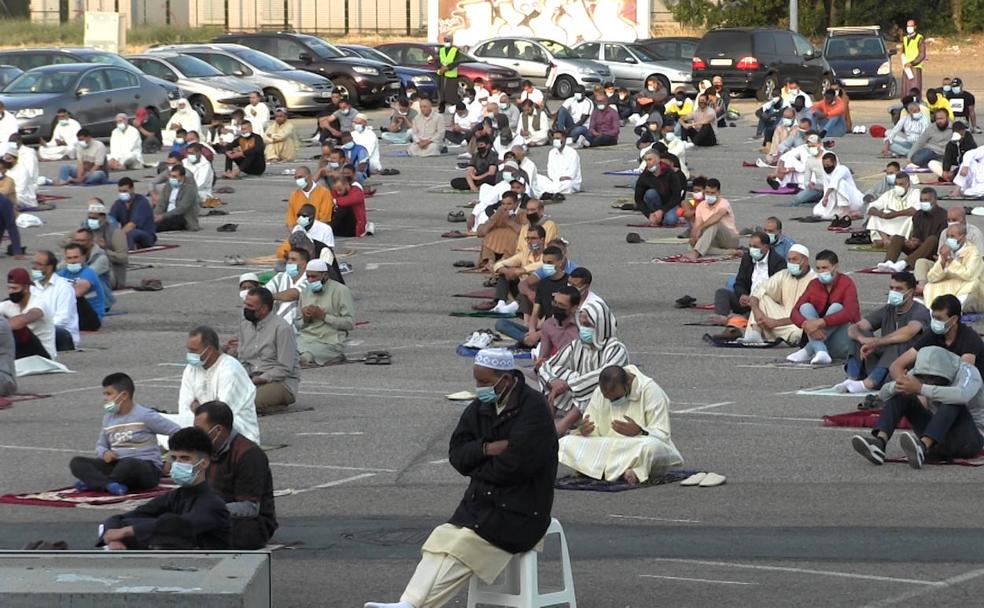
x: 801, y: 520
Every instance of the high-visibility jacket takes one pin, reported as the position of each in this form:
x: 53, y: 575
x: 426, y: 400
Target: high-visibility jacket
x: 447, y: 57
x: 910, y: 48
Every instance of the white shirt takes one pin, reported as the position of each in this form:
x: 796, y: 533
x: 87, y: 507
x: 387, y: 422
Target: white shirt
x: 789, y: 97
x: 536, y: 97
x: 59, y: 297
x: 25, y: 176
x: 370, y: 141
x: 501, y: 148
x: 68, y: 133
x: 282, y: 282
x: 565, y: 163
x: 8, y: 126
x: 258, y: 116
x: 189, y: 120
x: 319, y: 231
x: 760, y: 271
x: 125, y: 145
x: 43, y: 328
x: 465, y: 122
x: 225, y: 381
x: 203, y: 175
x: 578, y: 109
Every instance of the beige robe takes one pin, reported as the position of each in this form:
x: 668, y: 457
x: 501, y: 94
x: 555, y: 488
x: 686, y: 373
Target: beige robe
x: 882, y: 229
x: 777, y: 296
x: 961, y: 277
x: 427, y: 127
x: 281, y: 142
x: 606, y: 454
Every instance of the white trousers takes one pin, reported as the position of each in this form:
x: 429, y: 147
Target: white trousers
x: 438, y: 578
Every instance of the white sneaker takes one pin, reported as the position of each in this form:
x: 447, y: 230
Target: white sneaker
x: 634, y: 118
x: 483, y: 340
x: 370, y: 228
x: 899, y: 266
x: 821, y: 358
x: 762, y: 164
x: 886, y: 265
x: 800, y: 356
x: 470, y: 342
x: 842, y: 387
x: 506, y: 309
x: 465, y: 156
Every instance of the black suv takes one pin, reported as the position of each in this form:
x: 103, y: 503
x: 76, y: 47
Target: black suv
x: 363, y: 81
x: 861, y: 60
x: 759, y: 60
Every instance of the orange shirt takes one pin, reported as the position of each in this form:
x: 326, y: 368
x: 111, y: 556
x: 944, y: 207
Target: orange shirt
x: 320, y: 197
x: 830, y: 109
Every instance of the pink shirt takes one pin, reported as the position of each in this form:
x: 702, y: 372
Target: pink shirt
x: 705, y: 211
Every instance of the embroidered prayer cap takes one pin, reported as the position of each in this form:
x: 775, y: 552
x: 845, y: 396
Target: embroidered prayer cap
x: 317, y: 265
x: 97, y: 208
x: 813, y: 139
x: 496, y: 358
x: 249, y: 276
x: 800, y: 249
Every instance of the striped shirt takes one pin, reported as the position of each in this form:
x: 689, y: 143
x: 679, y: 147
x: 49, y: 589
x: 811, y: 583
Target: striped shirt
x: 134, y: 435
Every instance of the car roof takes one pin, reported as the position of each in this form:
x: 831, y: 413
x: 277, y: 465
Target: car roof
x: 198, y: 46
x: 354, y: 46
x: 748, y: 29
x: 72, y: 67
x: 163, y: 55
x: 857, y: 30
x: 668, y: 39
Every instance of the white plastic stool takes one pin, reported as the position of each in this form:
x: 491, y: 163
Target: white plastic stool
x: 520, y: 585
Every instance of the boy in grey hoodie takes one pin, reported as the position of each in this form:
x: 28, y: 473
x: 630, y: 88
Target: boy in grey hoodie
x: 943, y: 399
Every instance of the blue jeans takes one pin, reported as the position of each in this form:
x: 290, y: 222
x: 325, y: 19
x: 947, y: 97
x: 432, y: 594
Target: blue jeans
x: 808, y: 196
x: 396, y: 138
x: 838, y: 343
x: 139, y: 239
x: 923, y: 156
x: 67, y: 172
x: 835, y: 126
x: 514, y: 329
x: 900, y: 148
x: 855, y: 372
x: 566, y: 123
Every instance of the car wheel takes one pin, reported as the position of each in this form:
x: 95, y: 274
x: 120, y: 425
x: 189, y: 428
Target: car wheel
x: 768, y: 88
x: 564, y: 87
x: 346, y: 86
x: 893, y: 89
x: 274, y: 99
x: 202, y: 105
x: 824, y: 85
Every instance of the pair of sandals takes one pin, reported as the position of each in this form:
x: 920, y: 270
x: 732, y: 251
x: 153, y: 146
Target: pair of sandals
x: 235, y: 260
x: 226, y: 227
x: 686, y: 302
x: 390, y: 172
x: 861, y: 237
x: 840, y: 221
x: 378, y: 357
x: 704, y: 480
x: 464, y: 264
x: 871, y: 402
x: 456, y: 217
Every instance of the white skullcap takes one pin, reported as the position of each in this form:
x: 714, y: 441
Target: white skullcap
x: 361, y: 116
x: 248, y: 276
x: 317, y: 266
x: 496, y: 358
x: 123, y: 116
x: 813, y: 139
x: 97, y: 208
x: 800, y: 249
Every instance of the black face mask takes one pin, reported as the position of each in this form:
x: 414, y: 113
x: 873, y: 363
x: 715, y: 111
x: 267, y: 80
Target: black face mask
x: 829, y: 169
x: 16, y: 297
x: 561, y: 315
x: 250, y: 315
x: 533, y: 218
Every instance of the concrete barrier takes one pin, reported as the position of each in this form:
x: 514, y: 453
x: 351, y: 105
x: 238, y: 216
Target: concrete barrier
x: 124, y: 579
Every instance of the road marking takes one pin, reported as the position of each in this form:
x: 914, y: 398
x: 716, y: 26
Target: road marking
x: 832, y: 573
x: 947, y: 582
x: 31, y: 448
x: 330, y: 467
x: 330, y: 484
x: 645, y: 518
x: 703, y: 407
x: 695, y: 580
x: 332, y: 434
x: 186, y: 284
x: 99, y: 386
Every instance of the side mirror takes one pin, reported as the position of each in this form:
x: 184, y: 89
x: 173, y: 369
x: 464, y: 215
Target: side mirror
x: 171, y: 77
x: 306, y: 57
x: 893, y: 51
x: 809, y: 55
x: 238, y: 72
x: 630, y: 60
x: 80, y: 92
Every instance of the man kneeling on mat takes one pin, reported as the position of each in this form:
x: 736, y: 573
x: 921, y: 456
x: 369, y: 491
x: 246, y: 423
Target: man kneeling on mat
x: 943, y: 399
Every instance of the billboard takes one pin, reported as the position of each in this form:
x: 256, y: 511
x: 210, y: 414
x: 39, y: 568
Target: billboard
x: 566, y: 21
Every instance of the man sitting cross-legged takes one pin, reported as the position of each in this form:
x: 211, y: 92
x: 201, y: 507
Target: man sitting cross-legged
x: 773, y: 301
x: 757, y: 265
x: 824, y: 311
x: 127, y: 454
x: 625, y: 432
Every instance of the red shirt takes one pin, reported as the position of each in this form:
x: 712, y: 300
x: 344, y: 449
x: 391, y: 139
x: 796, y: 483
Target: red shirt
x: 356, y: 199
x: 842, y: 291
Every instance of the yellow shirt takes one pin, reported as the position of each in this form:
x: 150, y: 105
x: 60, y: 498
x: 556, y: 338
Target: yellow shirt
x: 942, y: 103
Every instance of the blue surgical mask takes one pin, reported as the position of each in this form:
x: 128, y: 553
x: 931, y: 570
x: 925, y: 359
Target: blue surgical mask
x: 303, y: 221
x: 507, y: 176
x: 93, y: 224
x: 772, y: 238
x: 756, y: 254
x: 36, y: 275
x: 292, y: 270
x: 826, y: 277
x: 621, y: 401
x: 179, y: 141
x: 953, y: 244
x: 111, y: 407
x: 183, y: 473
x: 125, y: 196
x: 956, y: 90
x: 557, y: 144
x: 710, y: 199
x: 927, y: 207
x: 895, y: 298
x: 194, y: 360
x: 890, y: 178
x: 193, y: 159
x: 794, y: 269
x: 486, y: 394
x: 173, y: 182
x: 938, y: 327
x: 348, y: 145
x: 549, y: 269
x: 316, y: 286
x: 76, y: 267
x: 587, y: 334
x: 947, y: 88
x: 301, y: 182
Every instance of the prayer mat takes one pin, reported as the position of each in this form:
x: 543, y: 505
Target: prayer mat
x: 40, y: 207
x: 288, y: 410
x: 47, y: 198
x: 866, y: 248
x: 668, y: 240
x: 829, y: 391
x: 724, y: 343
x: 681, y: 259
x: 866, y: 419
x: 474, y: 271
x: 8, y: 401
x: 976, y: 461
x: 702, y: 307
x: 485, y: 315
x: 70, y: 497
x: 841, y: 230
x: 36, y: 365
x: 482, y: 294
x: 875, y: 270
x: 579, y: 482
x: 361, y: 323
x: 971, y: 317
x: 401, y: 154
x: 225, y: 190
x: 786, y: 190
x: 455, y: 234
x: 632, y: 172
x: 467, y: 249
x: 152, y: 248
x: 809, y: 219
x: 466, y: 351
x: 701, y: 324
x: 651, y: 226
x: 275, y: 446
x: 747, y: 165
x: 448, y: 190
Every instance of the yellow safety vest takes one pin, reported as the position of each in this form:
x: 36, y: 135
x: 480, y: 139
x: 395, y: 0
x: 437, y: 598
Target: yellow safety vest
x: 910, y: 48
x: 447, y: 57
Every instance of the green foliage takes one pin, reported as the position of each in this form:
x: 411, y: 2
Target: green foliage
x: 23, y: 33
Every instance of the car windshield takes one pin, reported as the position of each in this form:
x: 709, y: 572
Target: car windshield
x: 435, y: 49
x: 321, y: 48
x: 42, y: 82
x: 261, y: 61
x: 108, y: 59
x: 643, y: 53
x: 854, y: 47
x: 558, y: 50
x: 192, y: 67
x: 372, y: 54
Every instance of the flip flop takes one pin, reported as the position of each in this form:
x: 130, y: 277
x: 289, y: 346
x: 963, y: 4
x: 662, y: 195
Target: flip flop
x: 227, y: 228
x: 454, y: 234
x: 460, y: 396
x: 464, y: 264
x: 456, y: 216
x: 389, y: 172
x: 712, y: 480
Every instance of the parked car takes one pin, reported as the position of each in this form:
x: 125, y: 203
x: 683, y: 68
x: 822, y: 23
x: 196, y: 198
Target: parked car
x: 675, y: 51
x: 281, y: 84
x: 759, y: 60
x: 210, y: 93
x: 423, y: 80
x: 95, y: 93
x: 544, y: 62
x: 632, y: 64
x: 8, y: 73
x: 470, y: 71
x: 861, y: 60
x: 363, y: 81
x: 27, y: 59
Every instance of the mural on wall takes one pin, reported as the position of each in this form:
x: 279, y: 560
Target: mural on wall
x: 566, y: 21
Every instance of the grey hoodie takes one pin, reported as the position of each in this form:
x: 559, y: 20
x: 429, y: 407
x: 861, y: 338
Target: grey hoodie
x: 933, y: 139
x: 965, y: 388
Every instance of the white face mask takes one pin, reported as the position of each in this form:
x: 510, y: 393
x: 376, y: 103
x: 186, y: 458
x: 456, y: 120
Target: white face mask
x: 910, y: 30
x: 899, y: 190
x: 956, y: 137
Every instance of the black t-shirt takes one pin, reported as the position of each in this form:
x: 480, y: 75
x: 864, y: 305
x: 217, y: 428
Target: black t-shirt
x: 545, y: 291
x: 482, y: 162
x: 967, y: 342
x: 961, y: 103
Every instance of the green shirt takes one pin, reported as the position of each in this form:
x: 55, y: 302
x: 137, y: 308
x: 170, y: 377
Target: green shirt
x: 325, y: 338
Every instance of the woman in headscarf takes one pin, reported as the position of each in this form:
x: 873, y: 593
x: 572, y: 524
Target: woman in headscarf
x: 183, y: 118
x: 571, y: 376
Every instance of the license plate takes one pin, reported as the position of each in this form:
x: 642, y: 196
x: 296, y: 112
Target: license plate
x: 394, y: 85
x: 326, y: 93
x: 855, y: 82
x: 513, y: 84
x: 721, y: 62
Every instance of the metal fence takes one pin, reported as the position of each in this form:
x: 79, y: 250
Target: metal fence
x: 338, y: 17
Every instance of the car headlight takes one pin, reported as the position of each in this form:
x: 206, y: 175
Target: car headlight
x: 366, y: 70
x: 29, y: 113
x: 422, y: 80
x: 303, y: 87
x: 586, y: 71
x: 885, y: 68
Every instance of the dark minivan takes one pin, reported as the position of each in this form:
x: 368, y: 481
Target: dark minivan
x: 363, y: 81
x: 759, y: 60
x: 861, y: 60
